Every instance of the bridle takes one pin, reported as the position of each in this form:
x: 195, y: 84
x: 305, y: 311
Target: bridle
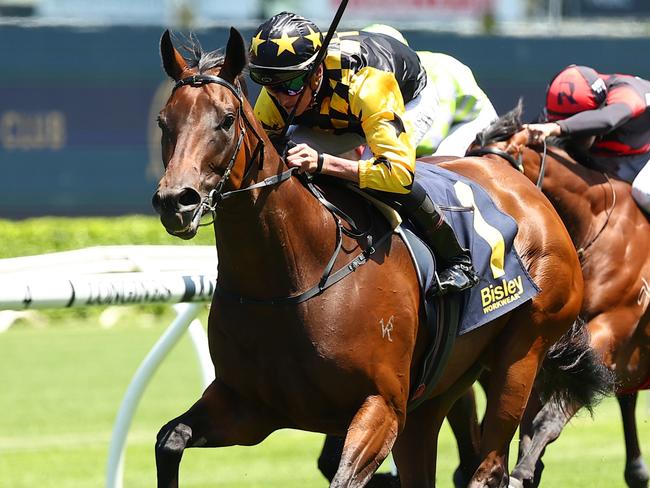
x: 217, y: 195
x: 518, y: 164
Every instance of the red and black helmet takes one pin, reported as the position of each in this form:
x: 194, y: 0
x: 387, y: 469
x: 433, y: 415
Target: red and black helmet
x: 573, y: 90
x: 283, y: 48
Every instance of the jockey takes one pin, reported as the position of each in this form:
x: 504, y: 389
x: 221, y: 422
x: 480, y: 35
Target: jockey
x: 613, y: 110
x: 463, y: 108
x: 370, y: 88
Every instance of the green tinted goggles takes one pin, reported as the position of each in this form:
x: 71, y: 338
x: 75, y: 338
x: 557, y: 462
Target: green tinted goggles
x: 278, y: 81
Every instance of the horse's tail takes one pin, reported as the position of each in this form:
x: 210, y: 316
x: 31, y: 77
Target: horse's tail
x: 573, y: 373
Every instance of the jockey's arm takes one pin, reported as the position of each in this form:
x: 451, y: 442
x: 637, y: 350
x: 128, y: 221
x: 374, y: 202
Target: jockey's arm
x: 302, y: 156
x: 596, y: 122
x: 376, y: 99
x: 587, y: 123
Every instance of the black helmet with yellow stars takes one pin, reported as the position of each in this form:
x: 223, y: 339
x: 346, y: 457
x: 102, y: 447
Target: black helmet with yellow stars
x: 283, y: 48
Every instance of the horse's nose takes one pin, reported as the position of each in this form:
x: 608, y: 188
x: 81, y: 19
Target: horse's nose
x: 176, y: 200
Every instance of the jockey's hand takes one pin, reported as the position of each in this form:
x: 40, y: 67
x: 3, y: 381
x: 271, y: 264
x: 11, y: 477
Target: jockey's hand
x: 303, y: 157
x: 539, y: 132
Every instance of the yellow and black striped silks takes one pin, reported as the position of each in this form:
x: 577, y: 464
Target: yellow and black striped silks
x: 368, y: 79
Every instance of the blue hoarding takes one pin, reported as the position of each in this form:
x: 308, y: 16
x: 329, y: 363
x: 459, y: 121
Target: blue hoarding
x: 78, y: 106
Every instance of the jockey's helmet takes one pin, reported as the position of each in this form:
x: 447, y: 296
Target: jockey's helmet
x: 283, y: 50
x: 386, y: 30
x: 573, y: 90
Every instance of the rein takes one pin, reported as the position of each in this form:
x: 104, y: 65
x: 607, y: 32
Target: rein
x: 515, y: 163
x: 483, y: 151
x: 217, y: 195
x: 518, y: 164
x: 610, y: 210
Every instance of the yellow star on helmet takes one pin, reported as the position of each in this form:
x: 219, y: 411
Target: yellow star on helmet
x: 256, y: 41
x: 314, y: 37
x: 285, y: 43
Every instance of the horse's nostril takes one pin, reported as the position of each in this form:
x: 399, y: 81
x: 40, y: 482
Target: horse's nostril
x: 175, y: 200
x: 155, y: 202
x: 189, y: 197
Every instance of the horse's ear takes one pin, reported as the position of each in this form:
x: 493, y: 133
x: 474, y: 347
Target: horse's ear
x: 235, y: 59
x: 172, y: 60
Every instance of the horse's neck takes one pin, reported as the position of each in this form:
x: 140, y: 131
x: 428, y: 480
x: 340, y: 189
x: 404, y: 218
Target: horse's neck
x: 571, y: 195
x: 273, y: 241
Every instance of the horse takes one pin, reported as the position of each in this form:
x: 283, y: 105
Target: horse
x: 610, y: 234
x: 317, y: 327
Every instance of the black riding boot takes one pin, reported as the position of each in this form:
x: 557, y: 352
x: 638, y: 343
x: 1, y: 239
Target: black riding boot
x: 455, y: 271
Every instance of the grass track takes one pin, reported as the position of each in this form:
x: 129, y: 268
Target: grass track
x: 62, y: 385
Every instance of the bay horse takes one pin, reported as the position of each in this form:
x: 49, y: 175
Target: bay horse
x: 291, y: 351
x: 610, y: 233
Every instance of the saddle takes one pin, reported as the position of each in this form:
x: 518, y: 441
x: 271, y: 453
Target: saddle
x: 480, y: 227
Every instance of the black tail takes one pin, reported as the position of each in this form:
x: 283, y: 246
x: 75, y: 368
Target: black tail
x: 572, y: 372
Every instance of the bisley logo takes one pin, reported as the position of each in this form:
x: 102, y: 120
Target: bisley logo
x: 496, y: 296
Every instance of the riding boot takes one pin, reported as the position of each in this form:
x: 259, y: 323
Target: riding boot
x: 456, y: 270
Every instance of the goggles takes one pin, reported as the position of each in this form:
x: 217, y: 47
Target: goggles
x: 283, y: 82
x: 292, y: 87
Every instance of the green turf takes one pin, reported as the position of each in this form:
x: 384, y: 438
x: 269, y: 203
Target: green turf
x: 62, y: 380
x: 52, y: 234
x: 62, y: 385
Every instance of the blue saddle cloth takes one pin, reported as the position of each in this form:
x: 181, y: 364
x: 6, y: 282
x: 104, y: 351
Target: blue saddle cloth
x: 489, y: 234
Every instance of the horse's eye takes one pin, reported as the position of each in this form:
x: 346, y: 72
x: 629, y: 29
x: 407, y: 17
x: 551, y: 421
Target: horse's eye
x: 227, y: 122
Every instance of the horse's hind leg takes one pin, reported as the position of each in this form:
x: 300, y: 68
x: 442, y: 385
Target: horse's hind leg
x: 369, y: 439
x: 510, y: 383
x: 545, y: 428
x: 636, y: 471
x: 219, y: 418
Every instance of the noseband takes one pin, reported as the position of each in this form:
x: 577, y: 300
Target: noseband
x: 216, y: 194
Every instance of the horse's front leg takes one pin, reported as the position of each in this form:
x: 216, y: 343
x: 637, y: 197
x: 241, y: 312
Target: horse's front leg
x: 636, y: 471
x: 369, y: 439
x: 463, y: 420
x: 219, y: 418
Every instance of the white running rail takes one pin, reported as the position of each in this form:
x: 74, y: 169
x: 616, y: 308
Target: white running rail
x: 121, y: 275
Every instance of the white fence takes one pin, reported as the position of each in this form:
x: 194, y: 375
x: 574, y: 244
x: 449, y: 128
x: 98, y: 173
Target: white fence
x: 120, y: 275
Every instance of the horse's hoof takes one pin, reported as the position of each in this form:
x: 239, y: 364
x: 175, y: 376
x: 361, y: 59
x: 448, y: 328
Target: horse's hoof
x: 636, y: 474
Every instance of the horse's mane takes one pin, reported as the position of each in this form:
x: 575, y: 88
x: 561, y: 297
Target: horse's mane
x: 196, y: 57
x: 503, y: 128
x: 508, y: 125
